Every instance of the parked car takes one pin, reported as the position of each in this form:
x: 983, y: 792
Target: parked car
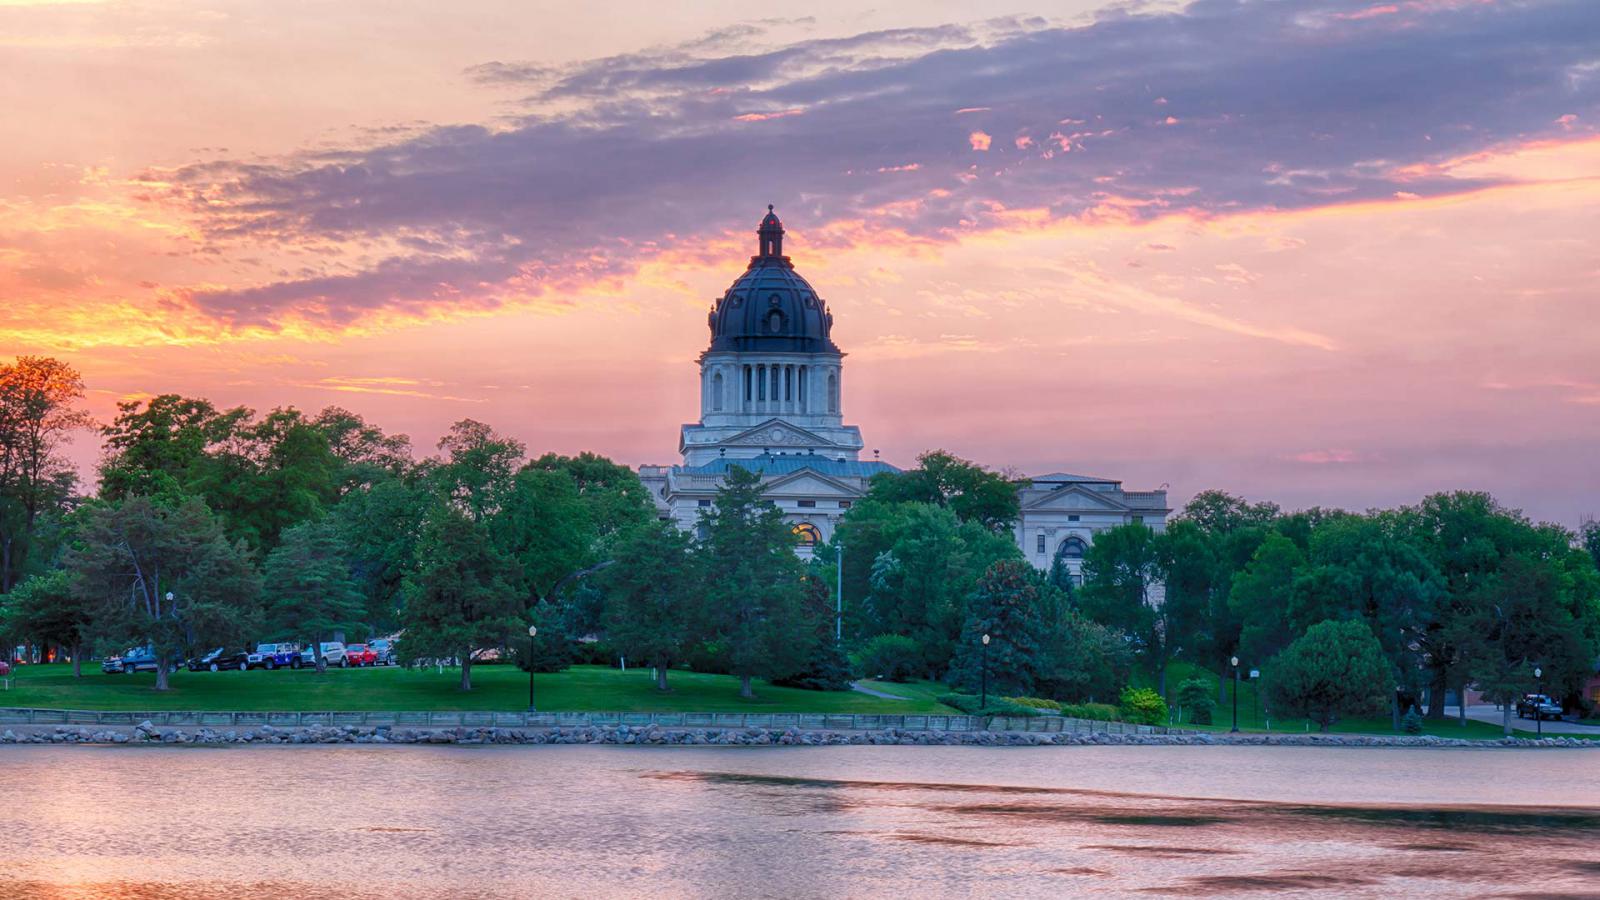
x: 139, y: 659
x: 5, y: 668
x: 275, y: 656
x: 385, y: 649
x: 360, y: 655
x: 332, y: 653
x: 1538, y: 707
x: 221, y: 658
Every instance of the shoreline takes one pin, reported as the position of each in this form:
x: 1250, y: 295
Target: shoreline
x: 145, y: 734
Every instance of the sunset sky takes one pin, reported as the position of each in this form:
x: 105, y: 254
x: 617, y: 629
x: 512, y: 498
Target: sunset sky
x: 1319, y: 252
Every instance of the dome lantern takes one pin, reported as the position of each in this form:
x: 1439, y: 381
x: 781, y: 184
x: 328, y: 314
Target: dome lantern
x: 770, y: 234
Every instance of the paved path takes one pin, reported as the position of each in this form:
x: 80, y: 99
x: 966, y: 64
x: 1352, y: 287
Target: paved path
x: 856, y: 686
x: 1490, y: 713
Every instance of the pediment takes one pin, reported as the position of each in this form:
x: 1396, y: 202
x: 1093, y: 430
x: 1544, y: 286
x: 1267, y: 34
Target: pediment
x: 1076, y: 498
x: 777, y: 433
x: 806, y: 483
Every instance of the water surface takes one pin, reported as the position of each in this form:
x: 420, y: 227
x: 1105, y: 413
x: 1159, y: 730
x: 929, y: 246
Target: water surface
x: 499, y: 822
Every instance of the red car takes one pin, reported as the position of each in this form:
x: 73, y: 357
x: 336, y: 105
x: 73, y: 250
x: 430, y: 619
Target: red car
x: 5, y: 667
x: 360, y: 655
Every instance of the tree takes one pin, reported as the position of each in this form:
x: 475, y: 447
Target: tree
x: 311, y: 588
x: 1259, y: 597
x: 380, y: 525
x: 925, y: 565
x: 459, y: 598
x: 479, y: 468
x: 1004, y: 606
x: 163, y: 576
x: 44, y: 609
x: 1218, y: 512
x: 827, y: 668
x: 1119, y: 571
x: 972, y: 492
x: 650, y: 592
x: 1194, y: 695
x: 38, y: 412
x: 752, y: 595
x: 366, y: 455
x: 1079, y: 659
x: 1335, y: 669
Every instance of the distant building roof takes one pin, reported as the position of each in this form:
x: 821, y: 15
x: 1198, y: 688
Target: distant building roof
x: 1072, y: 479
x: 784, y: 464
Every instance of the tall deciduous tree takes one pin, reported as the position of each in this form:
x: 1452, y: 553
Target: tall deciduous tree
x: 1259, y: 598
x: 752, y: 595
x: 972, y: 492
x: 310, y: 587
x: 164, y: 576
x: 38, y: 412
x: 1334, y: 670
x: 1120, y: 570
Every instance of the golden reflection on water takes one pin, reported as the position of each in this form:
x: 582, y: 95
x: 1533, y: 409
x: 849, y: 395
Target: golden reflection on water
x: 352, y: 823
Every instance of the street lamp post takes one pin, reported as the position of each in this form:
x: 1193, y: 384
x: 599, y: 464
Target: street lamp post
x: 533, y: 632
x: 1235, y: 662
x: 1538, y: 703
x: 984, y: 702
x: 1397, y: 707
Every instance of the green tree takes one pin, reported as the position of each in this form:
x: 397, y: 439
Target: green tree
x: 1004, y: 606
x: 365, y: 454
x: 380, y: 525
x: 311, y: 589
x: 1259, y: 598
x: 163, y: 576
x: 1194, y: 695
x: 1336, y: 669
x: 972, y: 492
x: 650, y: 593
x: 1120, y: 570
x: 460, y: 597
x: 752, y: 595
x: 38, y: 412
x: 43, y: 609
x: 828, y: 667
x: 1218, y: 512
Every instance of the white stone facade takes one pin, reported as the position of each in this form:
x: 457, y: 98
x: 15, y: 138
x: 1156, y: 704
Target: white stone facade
x: 1062, y: 513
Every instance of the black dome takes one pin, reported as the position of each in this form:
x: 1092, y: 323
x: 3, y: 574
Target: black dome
x: 770, y: 307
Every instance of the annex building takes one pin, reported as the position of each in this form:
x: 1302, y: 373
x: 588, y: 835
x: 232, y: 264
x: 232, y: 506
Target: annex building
x: 771, y: 401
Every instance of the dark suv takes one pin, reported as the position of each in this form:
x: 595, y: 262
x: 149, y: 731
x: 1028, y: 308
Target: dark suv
x: 219, y: 659
x: 1538, y: 707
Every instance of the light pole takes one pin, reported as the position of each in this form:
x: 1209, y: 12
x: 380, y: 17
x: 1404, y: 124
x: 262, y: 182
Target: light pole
x: 1235, y: 662
x: 984, y: 703
x: 533, y: 632
x: 1538, y: 701
x: 1397, y: 707
x: 838, y: 595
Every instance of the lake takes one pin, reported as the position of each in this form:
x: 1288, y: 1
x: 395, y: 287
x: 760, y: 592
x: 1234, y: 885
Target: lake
x: 584, y: 821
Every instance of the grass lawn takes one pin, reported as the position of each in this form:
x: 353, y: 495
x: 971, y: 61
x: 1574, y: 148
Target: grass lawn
x: 1252, y: 719
x: 496, y: 687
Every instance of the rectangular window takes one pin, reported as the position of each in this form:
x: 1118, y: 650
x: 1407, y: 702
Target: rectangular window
x: 704, y: 502
x: 1072, y: 518
x: 844, y: 504
x: 1041, y: 542
x: 806, y: 504
x: 1138, y: 520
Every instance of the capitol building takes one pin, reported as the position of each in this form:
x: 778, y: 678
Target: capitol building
x: 771, y: 402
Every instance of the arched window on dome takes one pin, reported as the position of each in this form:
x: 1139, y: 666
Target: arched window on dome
x: 833, y: 393
x: 775, y: 322
x: 807, y: 534
x: 716, y: 392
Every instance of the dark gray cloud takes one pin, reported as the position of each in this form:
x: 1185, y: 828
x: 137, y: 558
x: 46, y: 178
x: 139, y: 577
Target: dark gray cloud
x: 1228, y: 105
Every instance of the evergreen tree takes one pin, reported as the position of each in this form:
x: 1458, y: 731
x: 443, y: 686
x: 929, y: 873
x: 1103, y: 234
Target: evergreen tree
x: 1334, y: 670
x: 650, y: 590
x: 752, y: 596
x: 460, y: 596
x: 311, y: 589
x: 827, y: 668
x: 1005, y: 607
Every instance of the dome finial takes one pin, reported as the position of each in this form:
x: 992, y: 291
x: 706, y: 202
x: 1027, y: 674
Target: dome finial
x: 770, y: 234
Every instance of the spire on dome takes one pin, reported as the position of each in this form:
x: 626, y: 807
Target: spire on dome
x: 770, y: 234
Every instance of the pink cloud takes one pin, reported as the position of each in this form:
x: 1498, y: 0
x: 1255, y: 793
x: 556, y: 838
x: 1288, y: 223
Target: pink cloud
x: 980, y: 140
x: 763, y: 117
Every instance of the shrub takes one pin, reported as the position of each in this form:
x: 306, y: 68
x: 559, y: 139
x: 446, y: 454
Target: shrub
x: 1144, y: 706
x: 1412, y: 723
x: 998, y: 706
x: 1034, y: 702
x: 1099, y: 712
x: 891, y: 657
x: 828, y: 669
x: 1194, y: 695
